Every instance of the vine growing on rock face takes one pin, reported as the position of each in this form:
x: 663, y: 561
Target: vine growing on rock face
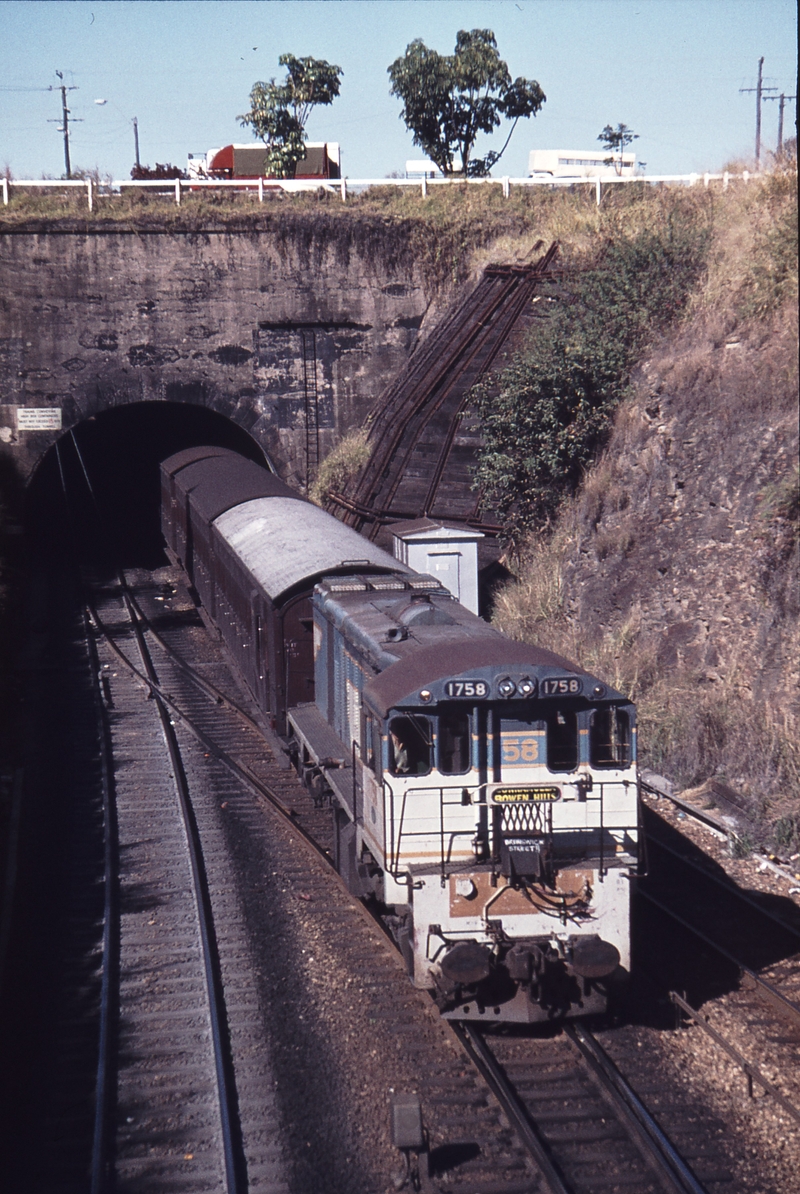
x: 548, y: 413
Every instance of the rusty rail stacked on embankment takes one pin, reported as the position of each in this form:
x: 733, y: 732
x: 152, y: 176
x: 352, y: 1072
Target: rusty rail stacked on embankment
x: 416, y: 466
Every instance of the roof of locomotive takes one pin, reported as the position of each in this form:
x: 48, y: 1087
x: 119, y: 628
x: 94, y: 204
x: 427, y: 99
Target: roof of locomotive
x: 284, y: 541
x: 216, y: 483
x: 431, y: 664
x: 424, y: 640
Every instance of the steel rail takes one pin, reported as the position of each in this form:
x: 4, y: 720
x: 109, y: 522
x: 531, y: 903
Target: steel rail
x: 784, y: 1005
x: 240, y: 770
x: 109, y: 983
x: 383, y: 516
x: 727, y: 884
x: 716, y: 824
x: 472, y: 313
x: 477, y: 305
x: 469, y: 344
x: 210, y: 689
x: 235, y: 1165
x: 655, y: 1142
x: 753, y: 1073
x: 510, y: 318
x: 410, y: 393
x: 412, y: 399
x: 699, y: 814
x: 368, y: 915
x: 512, y: 1105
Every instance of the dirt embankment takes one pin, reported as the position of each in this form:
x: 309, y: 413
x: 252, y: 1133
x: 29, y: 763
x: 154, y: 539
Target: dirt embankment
x: 685, y: 549
x: 674, y: 570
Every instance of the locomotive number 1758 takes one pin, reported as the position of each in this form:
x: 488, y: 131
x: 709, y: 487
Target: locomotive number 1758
x: 561, y: 686
x: 466, y: 688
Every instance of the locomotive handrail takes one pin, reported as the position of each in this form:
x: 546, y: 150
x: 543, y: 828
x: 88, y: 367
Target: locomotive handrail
x: 394, y: 839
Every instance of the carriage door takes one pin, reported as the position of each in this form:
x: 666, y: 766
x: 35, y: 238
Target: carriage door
x: 298, y: 646
x: 258, y: 632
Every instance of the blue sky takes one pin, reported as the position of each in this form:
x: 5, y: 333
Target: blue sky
x: 669, y: 69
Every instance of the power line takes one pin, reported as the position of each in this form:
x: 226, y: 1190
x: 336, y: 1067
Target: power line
x: 759, y: 89
x: 65, y: 115
x: 782, y: 104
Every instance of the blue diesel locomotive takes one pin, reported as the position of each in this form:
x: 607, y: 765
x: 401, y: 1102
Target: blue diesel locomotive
x: 484, y: 792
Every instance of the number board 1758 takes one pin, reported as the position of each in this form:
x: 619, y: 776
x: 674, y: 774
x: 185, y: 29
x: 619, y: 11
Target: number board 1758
x: 561, y: 686
x: 466, y: 688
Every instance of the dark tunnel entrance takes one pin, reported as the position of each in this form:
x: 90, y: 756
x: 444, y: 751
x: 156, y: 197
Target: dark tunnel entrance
x: 98, y: 487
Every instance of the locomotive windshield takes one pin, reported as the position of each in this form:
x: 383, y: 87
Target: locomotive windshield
x: 454, y: 741
x: 610, y: 737
x: 562, y: 740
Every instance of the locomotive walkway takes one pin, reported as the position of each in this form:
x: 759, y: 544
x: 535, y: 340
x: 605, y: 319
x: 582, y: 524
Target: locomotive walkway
x: 422, y: 440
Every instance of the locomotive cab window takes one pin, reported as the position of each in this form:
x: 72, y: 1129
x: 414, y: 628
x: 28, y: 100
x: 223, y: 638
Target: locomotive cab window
x: 562, y: 740
x: 520, y: 742
x: 610, y: 737
x: 409, y: 746
x: 454, y: 742
x: 370, y: 741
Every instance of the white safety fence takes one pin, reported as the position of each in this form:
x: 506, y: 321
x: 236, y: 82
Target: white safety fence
x: 344, y: 186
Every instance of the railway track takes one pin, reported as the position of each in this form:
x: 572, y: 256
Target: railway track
x: 52, y: 974
x: 306, y: 973
x: 753, y: 934
x: 204, y: 701
x: 581, y: 1121
x: 422, y: 452
x: 651, y: 1160
x: 729, y: 960
x: 171, y: 1094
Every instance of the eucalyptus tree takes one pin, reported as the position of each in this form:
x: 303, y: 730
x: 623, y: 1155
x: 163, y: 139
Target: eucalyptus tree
x: 449, y: 99
x: 615, y: 140
x: 279, y: 111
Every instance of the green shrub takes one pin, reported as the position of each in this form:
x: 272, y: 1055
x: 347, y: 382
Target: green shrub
x: 347, y: 458
x: 548, y: 413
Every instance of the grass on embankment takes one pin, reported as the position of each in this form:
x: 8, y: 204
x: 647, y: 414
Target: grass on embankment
x: 707, y: 407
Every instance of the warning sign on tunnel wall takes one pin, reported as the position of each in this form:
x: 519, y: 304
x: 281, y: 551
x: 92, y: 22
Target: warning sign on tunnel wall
x: 38, y: 418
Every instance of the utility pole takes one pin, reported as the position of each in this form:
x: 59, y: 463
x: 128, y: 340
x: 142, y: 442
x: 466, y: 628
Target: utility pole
x: 759, y: 90
x: 136, y: 138
x: 781, y: 105
x: 65, y: 114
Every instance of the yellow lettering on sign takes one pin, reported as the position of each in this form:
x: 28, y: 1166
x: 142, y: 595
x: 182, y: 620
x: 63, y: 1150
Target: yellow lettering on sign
x: 524, y: 795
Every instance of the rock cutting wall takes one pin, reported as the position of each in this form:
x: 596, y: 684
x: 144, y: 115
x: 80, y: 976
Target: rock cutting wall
x: 682, y: 519
x: 266, y: 330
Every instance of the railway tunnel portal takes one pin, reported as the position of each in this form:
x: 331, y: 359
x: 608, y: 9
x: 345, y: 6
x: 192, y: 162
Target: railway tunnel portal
x: 288, y: 332
x: 121, y: 346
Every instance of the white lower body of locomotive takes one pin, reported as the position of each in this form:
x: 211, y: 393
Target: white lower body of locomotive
x: 510, y: 903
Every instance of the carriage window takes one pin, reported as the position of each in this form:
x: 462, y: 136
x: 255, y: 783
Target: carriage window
x: 610, y: 738
x: 454, y: 743
x: 410, y: 745
x: 562, y: 741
